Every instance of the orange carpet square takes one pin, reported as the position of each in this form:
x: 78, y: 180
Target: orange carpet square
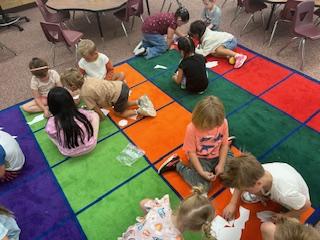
x: 132, y: 76
x: 157, y: 136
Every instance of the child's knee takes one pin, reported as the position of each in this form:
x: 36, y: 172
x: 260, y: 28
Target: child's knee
x: 26, y: 107
x: 267, y: 230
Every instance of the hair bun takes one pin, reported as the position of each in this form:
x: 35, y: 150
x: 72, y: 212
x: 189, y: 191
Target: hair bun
x: 198, y: 190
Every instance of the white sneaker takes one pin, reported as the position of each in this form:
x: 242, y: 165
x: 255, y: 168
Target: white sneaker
x: 137, y: 47
x: 140, y: 52
x: 145, y: 102
x: 148, y: 112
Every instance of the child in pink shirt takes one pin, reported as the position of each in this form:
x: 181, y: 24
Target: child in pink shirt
x: 74, y: 131
x: 205, y: 143
x: 194, y: 214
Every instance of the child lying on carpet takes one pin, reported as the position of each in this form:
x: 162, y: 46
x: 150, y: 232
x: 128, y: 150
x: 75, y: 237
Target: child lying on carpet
x: 154, y: 30
x: 218, y: 44
x: 194, y: 214
x: 42, y: 81
x: 254, y: 181
x: 205, y: 143
x: 288, y: 229
x: 9, y: 230
x: 73, y: 131
x: 11, y: 157
x: 192, y: 72
x: 98, y: 94
x: 211, y: 14
x: 95, y: 64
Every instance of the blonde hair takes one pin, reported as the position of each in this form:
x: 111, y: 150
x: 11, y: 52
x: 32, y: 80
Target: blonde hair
x: 86, y: 47
x: 242, y: 172
x: 72, y: 77
x: 208, y: 113
x: 195, y: 213
x: 288, y: 229
x: 5, y: 211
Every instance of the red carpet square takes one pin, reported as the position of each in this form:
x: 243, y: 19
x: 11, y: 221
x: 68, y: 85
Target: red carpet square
x: 296, y: 96
x: 315, y: 122
x: 157, y: 136
x: 224, y: 64
x: 257, y: 75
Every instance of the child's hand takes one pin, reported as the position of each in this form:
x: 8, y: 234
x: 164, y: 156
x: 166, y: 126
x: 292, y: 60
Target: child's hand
x: 229, y: 211
x: 208, y: 175
x: 46, y: 113
x: 219, y: 169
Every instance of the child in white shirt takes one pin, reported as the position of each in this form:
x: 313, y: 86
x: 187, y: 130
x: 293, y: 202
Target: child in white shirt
x: 95, y: 64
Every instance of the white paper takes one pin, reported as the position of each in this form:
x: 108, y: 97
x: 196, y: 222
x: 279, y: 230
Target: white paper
x: 123, y: 123
x: 265, y: 216
x: 36, y: 119
x: 160, y: 67
x: 230, y: 233
x: 212, y: 64
x: 105, y: 111
x: 244, y: 217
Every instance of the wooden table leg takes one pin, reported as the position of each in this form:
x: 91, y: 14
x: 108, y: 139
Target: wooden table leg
x: 148, y: 8
x: 271, y: 15
x: 99, y: 25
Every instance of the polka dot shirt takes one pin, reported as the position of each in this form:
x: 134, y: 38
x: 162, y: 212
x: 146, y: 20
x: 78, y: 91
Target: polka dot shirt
x: 159, y: 23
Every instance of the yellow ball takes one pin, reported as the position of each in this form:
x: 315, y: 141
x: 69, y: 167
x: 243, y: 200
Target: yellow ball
x: 232, y: 60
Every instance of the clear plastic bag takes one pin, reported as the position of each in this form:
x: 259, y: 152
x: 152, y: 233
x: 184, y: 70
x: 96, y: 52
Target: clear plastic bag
x: 129, y: 155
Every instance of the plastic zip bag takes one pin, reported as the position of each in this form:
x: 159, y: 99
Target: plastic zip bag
x: 129, y: 155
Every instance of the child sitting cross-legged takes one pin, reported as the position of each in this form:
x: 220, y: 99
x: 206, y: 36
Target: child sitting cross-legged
x: 159, y: 221
x: 95, y: 64
x: 205, y: 143
x: 211, y: 14
x: 73, y: 131
x: 192, y: 72
x: 42, y: 81
x: 255, y: 182
x: 218, y: 44
x: 98, y: 94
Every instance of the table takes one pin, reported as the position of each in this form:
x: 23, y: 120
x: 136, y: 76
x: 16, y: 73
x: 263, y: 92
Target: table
x: 275, y: 2
x: 95, y: 6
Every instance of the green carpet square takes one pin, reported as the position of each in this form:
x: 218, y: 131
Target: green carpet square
x: 259, y: 126
x: 30, y: 116
x: 52, y: 153
x: 231, y: 96
x: 169, y: 59
x: 83, y: 179
x: 302, y: 151
x: 121, y: 208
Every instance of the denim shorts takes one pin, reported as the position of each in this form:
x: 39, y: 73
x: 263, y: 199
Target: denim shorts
x: 231, y: 44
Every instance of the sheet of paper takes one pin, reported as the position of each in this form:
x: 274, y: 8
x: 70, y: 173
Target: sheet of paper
x: 212, y: 64
x: 160, y: 67
x: 230, y: 233
x: 265, y: 216
x: 36, y: 119
x: 123, y: 123
x: 244, y: 217
x: 105, y: 111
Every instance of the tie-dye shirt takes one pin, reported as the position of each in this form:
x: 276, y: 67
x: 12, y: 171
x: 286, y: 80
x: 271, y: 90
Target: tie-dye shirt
x: 156, y: 225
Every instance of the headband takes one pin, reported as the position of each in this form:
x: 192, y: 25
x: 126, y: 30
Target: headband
x: 39, y: 68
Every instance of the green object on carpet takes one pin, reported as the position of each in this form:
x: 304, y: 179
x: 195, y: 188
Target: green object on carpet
x: 121, y: 208
x: 231, y: 95
x: 170, y: 60
x: 83, y: 179
x: 51, y: 151
x: 259, y: 126
x: 30, y: 116
x: 302, y: 151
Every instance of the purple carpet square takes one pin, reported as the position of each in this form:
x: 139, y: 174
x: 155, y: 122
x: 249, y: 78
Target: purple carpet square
x: 38, y: 205
x: 12, y: 121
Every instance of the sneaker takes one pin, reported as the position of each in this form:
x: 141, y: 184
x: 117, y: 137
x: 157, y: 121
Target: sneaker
x: 250, y: 198
x: 137, y: 47
x: 240, y: 59
x: 170, y: 164
x: 231, y: 140
x: 145, y: 102
x: 140, y: 52
x: 148, y: 112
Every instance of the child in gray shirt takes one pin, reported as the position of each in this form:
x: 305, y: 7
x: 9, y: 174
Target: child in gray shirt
x: 211, y: 14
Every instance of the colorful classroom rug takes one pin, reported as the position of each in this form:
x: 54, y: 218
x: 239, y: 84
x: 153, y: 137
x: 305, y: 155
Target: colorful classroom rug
x: 273, y: 111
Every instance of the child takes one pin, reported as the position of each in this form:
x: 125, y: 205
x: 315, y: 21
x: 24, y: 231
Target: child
x: 155, y: 27
x: 42, y: 81
x: 11, y: 157
x: 205, y: 143
x: 192, y: 73
x: 194, y: 214
x: 211, y: 14
x: 95, y: 64
x: 277, y: 181
x: 288, y: 229
x: 104, y: 94
x: 74, y: 131
x: 218, y: 44
x: 8, y: 226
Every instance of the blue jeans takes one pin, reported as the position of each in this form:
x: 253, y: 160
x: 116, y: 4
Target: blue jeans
x: 155, y: 45
x: 230, y: 44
